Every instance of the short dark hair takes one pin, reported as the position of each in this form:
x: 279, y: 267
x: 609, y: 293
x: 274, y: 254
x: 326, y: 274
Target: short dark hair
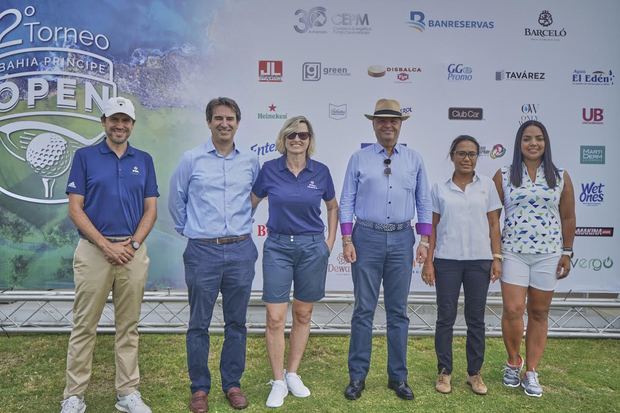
x: 103, y: 118
x: 460, y: 139
x: 222, y: 101
x: 552, y: 174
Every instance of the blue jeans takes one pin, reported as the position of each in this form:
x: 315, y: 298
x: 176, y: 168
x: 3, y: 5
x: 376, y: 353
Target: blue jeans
x: 387, y: 257
x: 475, y: 276
x: 209, y: 269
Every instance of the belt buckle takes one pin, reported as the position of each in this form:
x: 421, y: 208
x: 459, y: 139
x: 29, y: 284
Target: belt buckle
x: 217, y: 241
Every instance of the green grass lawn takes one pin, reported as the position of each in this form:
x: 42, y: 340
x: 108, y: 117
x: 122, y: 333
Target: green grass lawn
x: 577, y: 376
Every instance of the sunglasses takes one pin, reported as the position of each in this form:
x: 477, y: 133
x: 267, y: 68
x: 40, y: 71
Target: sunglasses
x: 387, y: 171
x: 304, y: 136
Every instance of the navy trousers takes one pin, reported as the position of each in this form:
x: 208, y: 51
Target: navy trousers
x: 475, y: 276
x: 209, y: 270
x: 381, y: 257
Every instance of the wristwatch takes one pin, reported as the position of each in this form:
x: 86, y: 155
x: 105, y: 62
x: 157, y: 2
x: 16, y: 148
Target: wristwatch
x: 135, y: 244
x: 568, y: 252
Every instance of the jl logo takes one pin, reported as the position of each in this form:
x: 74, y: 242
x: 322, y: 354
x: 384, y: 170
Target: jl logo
x: 47, y: 99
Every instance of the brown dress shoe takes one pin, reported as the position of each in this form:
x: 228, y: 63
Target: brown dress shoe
x: 199, y: 403
x: 236, y: 398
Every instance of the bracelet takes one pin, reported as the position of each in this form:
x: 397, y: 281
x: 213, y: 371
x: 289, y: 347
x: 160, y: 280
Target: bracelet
x: 346, y: 242
x: 499, y: 257
x: 424, y: 244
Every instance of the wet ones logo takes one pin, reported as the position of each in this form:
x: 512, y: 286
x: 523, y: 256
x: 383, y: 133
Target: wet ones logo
x: 51, y: 95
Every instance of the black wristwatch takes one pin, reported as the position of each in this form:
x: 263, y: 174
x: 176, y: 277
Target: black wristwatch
x: 568, y: 251
x: 135, y: 244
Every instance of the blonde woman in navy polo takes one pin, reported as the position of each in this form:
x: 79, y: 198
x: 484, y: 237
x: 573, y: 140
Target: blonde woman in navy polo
x: 464, y: 250
x: 296, y: 250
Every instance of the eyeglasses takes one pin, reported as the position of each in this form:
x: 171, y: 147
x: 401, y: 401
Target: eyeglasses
x: 304, y: 136
x: 386, y: 163
x: 463, y: 154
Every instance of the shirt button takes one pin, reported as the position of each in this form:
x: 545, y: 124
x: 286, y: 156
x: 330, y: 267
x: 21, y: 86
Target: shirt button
x: 390, y: 186
x: 390, y: 202
x: 388, y: 217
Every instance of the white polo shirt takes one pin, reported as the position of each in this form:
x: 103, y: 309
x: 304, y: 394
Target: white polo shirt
x: 463, y: 229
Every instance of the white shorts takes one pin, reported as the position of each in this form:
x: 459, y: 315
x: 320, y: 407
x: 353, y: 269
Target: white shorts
x: 531, y: 270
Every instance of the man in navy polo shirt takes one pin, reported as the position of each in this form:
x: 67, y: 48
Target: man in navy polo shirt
x: 210, y: 205
x: 113, y: 194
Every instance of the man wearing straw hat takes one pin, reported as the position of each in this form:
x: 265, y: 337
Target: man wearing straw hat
x: 384, y: 186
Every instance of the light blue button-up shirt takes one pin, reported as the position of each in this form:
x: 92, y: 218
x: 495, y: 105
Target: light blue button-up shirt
x: 369, y: 194
x: 210, y: 193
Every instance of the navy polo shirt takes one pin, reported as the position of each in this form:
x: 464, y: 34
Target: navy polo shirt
x: 294, y: 202
x: 113, y: 188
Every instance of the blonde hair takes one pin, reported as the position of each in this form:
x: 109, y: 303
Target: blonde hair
x: 290, y: 126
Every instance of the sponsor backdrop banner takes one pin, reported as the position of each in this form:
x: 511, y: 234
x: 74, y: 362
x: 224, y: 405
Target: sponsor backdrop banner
x: 473, y: 67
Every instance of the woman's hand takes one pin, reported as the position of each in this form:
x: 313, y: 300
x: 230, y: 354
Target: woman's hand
x: 428, y: 274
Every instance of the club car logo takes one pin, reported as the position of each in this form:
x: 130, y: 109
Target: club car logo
x: 50, y: 103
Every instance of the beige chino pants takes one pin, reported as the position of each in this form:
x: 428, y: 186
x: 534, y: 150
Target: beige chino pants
x: 94, y: 279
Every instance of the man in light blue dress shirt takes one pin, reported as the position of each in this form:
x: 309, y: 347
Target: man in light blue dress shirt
x: 210, y: 205
x: 384, y: 186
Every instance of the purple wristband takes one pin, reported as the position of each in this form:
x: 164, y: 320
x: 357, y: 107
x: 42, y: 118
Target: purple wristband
x: 346, y: 228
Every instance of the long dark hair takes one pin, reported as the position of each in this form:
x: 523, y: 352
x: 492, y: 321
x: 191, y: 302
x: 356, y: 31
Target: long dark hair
x: 552, y: 174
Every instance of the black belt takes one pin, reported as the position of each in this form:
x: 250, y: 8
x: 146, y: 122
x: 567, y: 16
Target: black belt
x: 225, y: 240
x: 111, y: 239
x: 384, y: 227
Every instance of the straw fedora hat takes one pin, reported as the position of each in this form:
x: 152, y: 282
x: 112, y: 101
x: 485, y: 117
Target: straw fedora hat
x: 387, y: 108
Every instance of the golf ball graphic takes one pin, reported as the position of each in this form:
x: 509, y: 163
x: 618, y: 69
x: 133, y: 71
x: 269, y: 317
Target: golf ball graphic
x: 48, y: 155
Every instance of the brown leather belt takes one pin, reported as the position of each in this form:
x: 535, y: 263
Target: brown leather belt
x: 225, y: 240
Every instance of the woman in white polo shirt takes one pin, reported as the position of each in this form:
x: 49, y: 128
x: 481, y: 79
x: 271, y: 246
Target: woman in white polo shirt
x: 464, y: 250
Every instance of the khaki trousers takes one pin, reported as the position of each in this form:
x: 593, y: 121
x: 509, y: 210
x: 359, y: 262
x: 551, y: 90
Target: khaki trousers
x: 94, y: 279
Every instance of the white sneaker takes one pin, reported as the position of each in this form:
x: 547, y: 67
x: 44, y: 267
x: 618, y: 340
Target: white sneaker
x: 132, y: 403
x: 277, y: 394
x: 73, y: 404
x: 295, y: 385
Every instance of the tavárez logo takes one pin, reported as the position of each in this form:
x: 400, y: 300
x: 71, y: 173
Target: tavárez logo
x: 465, y: 113
x: 545, y: 19
x: 592, y: 154
x: 519, y: 75
x: 458, y: 71
x: 418, y: 21
x: 594, y: 231
x: 47, y: 98
x: 270, y: 70
x: 315, y: 20
x: 597, y: 77
x: 592, y: 193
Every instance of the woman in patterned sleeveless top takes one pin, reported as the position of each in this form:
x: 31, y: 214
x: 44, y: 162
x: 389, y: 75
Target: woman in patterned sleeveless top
x: 537, y: 245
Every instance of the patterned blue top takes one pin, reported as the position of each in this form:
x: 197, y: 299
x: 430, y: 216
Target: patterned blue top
x: 532, y: 215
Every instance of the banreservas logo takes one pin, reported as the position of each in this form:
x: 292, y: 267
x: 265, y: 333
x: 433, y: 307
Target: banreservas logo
x: 418, y: 21
x: 71, y: 84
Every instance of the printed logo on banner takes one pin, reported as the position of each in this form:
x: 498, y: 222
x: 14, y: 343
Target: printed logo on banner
x: 417, y: 20
x: 399, y: 74
x: 262, y: 150
x: 519, y: 75
x: 312, y: 71
x: 337, y: 112
x: 596, y: 78
x: 529, y: 111
x: 594, y: 231
x: 545, y: 19
x: 47, y: 98
x: 592, y: 116
x: 593, y: 155
x: 592, y: 193
x: 340, y: 267
x: 261, y: 230
x: 270, y: 70
x: 272, y: 113
x: 595, y: 264
x: 315, y: 21
x: 458, y: 71
x: 497, y: 151
x: 465, y: 113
